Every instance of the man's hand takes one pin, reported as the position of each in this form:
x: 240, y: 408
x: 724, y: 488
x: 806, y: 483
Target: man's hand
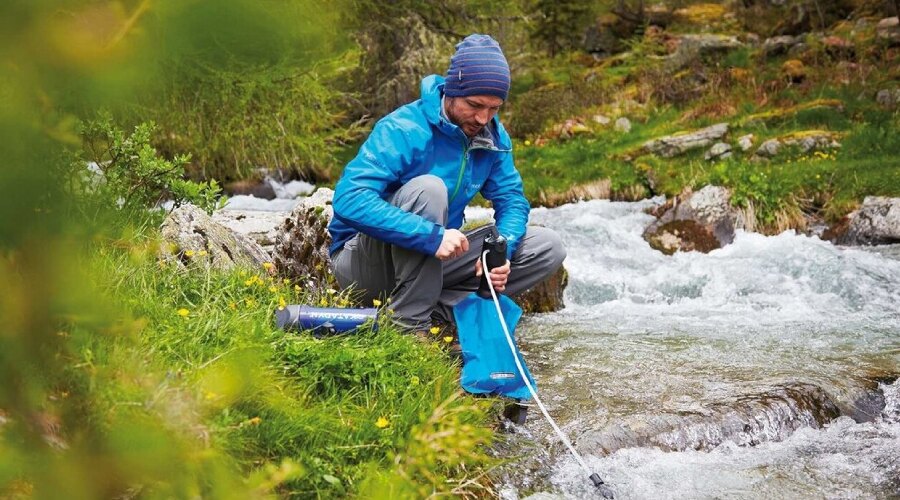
x: 499, y: 275
x: 453, y: 245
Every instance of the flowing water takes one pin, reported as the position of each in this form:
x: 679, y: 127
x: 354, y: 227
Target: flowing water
x: 764, y: 369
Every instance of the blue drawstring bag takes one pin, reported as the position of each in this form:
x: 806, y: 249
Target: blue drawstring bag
x: 488, y: 364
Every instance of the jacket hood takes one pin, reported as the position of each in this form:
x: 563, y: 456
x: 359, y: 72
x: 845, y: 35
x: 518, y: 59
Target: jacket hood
x: 432, y: 89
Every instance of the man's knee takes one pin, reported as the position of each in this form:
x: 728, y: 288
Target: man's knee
x: 425, y: 195
x: 546, y: 246
x: 556, y: 251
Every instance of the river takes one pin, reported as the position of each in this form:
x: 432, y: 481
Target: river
x: 765, y: 369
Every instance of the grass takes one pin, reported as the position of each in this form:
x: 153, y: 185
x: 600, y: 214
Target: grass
x: 182, y: 375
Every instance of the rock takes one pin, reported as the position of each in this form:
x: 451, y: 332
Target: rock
x: 769, y: 149
x: 877, y: 222
x: 888, y: 29
x: 623, y: 125
x: 888, y: 99
x: 794, y: 70
x: 191, y: 237
x: 595, y: 190
x: 798, y: 50
x: 261, y: 227
x: 569, y: 128
x: 745, y: 142
x: 703, y: 221
x: 837, y: 46
x: 249, y: 187
x: 602, y: 120
x: 778, y: 45
x: 692, y: 47
x: 677, y: 144
x: 546, y: 296
x: 806, y: 141
x: 719, y: 151
x: 301, y: 243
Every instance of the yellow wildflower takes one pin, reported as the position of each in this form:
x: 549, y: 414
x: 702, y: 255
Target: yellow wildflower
x: 286, y: 281
x: 273, y: 289
x: 281, y: 303
x: 527, y: 142
x: 188, y: 253
x: 376, y: 302
x: 254, y: 421
x: 414, y: 381
x: 183, y: 312
x: 268, y: 266
x: 233, y: 306
x: 323, y: 301
x: 297, y: 288
x: 382, y: 422
x: 448, y: 339
x: 202, y: 253
x: 435, y: 330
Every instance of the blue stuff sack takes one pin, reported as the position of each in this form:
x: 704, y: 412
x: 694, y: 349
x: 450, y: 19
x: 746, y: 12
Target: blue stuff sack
x: 488, y: 363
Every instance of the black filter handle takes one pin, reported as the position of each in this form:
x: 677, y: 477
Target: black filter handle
x: 495, y: 244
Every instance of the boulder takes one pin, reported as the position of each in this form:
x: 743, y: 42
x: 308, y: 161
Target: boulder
x: 888, y: 98
x: 805, y: 141
x: 693, y: 47
x: 546, y: 296
x: 569, y: 128
x: 745, y: 142
x: 888, y: 29
x: 876, y: 222
x: 259, y: 226
x: 778, y: 45
x: 677, y: 144
x: 768, y: 149
x: 702, y: 221
x: 623, y: 125
x: 719, y: 151
x: 301, y: 242
x: 191, y: 237
x: 602, y: 120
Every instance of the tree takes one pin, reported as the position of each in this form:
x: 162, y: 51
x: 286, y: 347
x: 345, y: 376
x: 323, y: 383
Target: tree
x: 560, y: 24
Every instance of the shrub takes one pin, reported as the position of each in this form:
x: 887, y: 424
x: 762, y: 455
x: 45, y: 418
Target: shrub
x: 123, y: 172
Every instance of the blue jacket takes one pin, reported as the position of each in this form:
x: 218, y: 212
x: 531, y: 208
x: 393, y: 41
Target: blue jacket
x: 416, y: 140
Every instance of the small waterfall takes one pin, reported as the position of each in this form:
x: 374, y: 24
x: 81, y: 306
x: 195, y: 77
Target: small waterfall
x: 748, y: 421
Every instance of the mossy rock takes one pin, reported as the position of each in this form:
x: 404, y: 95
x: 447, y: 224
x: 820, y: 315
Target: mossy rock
x: 685, y: 236
x: 546, y: 296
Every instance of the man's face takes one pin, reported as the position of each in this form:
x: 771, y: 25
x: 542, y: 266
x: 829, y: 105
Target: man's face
x: 472, y: 113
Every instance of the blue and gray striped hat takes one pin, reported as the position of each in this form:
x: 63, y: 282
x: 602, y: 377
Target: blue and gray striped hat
x: 477, y: 68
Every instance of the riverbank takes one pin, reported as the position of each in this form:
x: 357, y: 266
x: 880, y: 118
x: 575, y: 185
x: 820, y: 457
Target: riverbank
x: 197, y: 365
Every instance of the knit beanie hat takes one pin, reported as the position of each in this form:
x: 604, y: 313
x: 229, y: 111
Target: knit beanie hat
x: 477, y: 68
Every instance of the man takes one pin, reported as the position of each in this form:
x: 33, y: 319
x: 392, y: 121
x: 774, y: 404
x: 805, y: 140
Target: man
x: 399, y: 204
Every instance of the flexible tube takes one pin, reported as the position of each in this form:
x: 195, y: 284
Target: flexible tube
x: 512, y: 347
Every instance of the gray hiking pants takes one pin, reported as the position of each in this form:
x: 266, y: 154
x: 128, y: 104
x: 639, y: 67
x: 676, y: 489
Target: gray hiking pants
x: 422, y: 285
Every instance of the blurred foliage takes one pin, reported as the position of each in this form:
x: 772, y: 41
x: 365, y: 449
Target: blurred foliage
x: 99, y: 399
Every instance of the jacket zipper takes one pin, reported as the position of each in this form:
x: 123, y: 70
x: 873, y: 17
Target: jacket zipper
x: 462, y: 168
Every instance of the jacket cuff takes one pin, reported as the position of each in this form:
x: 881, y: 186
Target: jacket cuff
x: 434, y: 240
